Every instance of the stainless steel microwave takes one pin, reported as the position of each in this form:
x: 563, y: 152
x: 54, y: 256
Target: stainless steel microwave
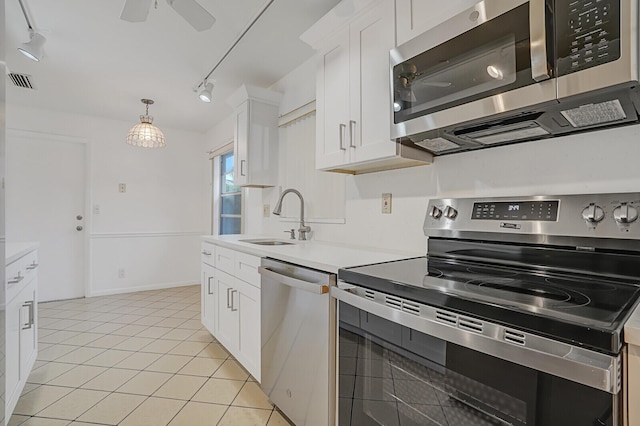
x: 506, y: 71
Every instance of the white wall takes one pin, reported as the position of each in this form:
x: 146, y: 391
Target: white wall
x: 152, y: 230
x: 602, y: 161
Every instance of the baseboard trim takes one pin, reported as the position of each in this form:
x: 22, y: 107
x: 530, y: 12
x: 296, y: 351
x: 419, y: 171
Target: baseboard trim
x: 124, y: 290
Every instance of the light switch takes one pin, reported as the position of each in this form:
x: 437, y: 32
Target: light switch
x: 266, y: 210
x: 122, y: 187
x: 386, y: 203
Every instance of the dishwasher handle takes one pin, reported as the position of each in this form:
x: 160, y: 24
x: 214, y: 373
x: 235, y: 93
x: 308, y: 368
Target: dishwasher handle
x: 293, y: 282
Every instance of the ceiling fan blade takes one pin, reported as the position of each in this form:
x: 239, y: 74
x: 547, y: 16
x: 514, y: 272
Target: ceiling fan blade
x: 193, y: 13
x: 135, y: 10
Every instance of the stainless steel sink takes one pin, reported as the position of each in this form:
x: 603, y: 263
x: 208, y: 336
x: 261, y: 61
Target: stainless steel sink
x: 267, y: 242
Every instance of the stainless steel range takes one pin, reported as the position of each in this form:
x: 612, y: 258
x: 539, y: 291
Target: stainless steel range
x: 514, y: 317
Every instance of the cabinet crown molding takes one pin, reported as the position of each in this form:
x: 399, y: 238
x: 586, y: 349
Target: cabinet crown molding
x: 246, y: 91
x: 335, y: 20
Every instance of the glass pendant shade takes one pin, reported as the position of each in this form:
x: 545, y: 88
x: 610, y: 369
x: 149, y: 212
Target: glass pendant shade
x: 145, y: 134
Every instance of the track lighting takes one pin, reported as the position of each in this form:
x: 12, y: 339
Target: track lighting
x: 33, y: 49
x: 205, y: 91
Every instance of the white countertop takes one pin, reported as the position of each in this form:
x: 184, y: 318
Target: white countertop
x: 321, y: 255
x: 14, y: 251
x: 632, y: 328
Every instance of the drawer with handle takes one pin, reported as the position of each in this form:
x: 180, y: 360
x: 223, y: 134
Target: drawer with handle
x: 208, y: 253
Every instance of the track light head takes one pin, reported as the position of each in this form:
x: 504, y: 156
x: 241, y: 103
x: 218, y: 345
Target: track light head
x: 205, y: 92
x: 33, y: 49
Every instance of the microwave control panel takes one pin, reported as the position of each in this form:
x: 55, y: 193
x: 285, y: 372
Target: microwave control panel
x: 587, y: 33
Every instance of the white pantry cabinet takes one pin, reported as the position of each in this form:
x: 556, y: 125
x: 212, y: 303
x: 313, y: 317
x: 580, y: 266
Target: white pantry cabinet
x: 21, y: 323
x: 413, y: 17
x: 231, y: 303
x: 255, y: 136
x: 353, y: 102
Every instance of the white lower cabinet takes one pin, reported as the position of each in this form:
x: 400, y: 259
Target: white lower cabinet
x: 20, y: 327
x: 231, y: 305
x: 226, y: 324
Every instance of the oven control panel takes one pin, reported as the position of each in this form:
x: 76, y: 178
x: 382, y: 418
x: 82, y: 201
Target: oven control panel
x: 601, y: 216
x: 516, y: 210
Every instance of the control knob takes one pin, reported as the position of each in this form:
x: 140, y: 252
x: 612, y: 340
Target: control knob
x: 625, y: 213
x: 593, y: 213
x: 435, y: 212
x: 450, y: 212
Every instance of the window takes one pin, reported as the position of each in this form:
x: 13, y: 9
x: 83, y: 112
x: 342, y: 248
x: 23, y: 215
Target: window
x: 230, y: 198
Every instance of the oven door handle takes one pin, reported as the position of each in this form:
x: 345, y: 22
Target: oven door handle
x: 538, y: 40
x: 317, y: 288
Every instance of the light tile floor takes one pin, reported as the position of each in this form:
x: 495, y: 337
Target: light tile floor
x: 137, y: 359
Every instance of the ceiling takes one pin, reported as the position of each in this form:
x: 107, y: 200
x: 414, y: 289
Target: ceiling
x: 96, y: 64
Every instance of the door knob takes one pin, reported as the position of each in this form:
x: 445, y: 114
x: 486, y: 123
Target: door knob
x: 79, y: 217
x: 79, y: 228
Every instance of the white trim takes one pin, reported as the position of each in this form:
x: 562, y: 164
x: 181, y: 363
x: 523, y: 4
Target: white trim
x: 146, y: 234
x: 221, y: 150
x: 148, y: 287
x: 88, y: 215
x: 30, y: 134
x: 296, y: 114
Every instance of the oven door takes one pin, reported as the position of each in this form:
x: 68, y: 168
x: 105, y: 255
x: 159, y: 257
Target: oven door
x: 394, y: 375
x: 490, y: 59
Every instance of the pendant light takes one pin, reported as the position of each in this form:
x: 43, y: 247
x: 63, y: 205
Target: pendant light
x: 145, y: 134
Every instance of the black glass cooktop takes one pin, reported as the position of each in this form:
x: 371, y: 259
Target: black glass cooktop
x: 585, y: 310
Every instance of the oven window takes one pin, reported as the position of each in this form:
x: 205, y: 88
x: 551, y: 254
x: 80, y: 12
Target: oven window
x: 395, y: 376
x: 489, y: 59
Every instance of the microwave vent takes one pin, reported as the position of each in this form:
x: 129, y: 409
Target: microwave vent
x: 592, y: 114
x: 437, y: 144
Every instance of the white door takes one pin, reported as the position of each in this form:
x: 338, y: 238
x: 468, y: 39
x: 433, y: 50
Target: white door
x: 45, y: 196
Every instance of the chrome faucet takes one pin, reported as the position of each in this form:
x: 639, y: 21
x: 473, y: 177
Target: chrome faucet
x: 302, y: 232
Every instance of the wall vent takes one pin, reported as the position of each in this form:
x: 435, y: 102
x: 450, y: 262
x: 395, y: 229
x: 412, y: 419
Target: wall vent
x: 21, y: 80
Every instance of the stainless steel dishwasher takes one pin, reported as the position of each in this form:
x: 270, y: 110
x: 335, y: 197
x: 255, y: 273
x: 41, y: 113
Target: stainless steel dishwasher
x: 298, y: 342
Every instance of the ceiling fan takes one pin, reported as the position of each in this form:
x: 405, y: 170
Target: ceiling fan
x: 190, y: 10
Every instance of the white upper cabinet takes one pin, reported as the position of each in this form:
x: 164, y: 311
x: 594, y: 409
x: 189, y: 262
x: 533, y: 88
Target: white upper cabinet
x: 413, y: 17
x: 353, y: 101
x: 256, y: 136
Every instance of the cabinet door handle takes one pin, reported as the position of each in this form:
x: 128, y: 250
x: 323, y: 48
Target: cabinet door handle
x: 17, y: 279
x: 206, y: 253
x: 31, y: 322
x: 232, y: 308
x: 34, y: 265
x: 228, y: 298
x: 352, y: 136
x: 242, y: 167
x: 209, y: 286
x: 343, y: 128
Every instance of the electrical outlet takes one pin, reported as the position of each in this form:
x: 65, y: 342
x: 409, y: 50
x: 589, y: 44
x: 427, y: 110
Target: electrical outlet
x: 266, y: 210
x: 121, y: 273
x: 96, y: 209
x: 386, y: 203
x: 122, y: 187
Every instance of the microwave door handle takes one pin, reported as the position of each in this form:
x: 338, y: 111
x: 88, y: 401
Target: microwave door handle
x: 538, y: 47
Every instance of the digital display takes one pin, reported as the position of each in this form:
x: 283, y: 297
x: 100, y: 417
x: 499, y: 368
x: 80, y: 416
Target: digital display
x: 546, y: 211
